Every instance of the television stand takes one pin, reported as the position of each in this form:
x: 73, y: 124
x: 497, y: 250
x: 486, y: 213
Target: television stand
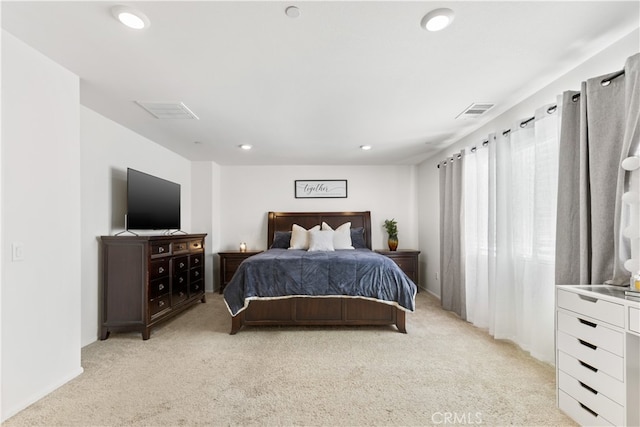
x: 149, y: 279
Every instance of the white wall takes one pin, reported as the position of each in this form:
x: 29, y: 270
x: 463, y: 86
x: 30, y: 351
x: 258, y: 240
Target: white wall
x: 107, y: 150
x: 248, y: 193
x: 607, y: 61
x: 205, y: 212
x: 41, y: 211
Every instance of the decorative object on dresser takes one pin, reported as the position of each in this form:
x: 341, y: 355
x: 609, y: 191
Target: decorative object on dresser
x: 306, y: 291
x: 149, y: 279
x: 407, y: 260
x: 229, y: 263
x: 391, y: 225
x: 598, y: 355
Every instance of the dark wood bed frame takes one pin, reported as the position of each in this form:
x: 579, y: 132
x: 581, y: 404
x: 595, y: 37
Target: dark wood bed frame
x: 318, y: 311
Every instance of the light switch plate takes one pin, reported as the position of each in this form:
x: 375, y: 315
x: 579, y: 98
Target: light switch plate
x: 17, y: 251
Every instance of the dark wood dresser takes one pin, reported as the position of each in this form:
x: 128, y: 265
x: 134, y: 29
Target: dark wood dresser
x: 407, y: 260
x: 229, y: 263
x: 148, y: 279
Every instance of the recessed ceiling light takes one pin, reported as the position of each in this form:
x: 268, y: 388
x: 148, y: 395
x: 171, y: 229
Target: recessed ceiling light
x: 245, y: 146
x: 130, y: 17
x: 292, y: 12
x: 437, y: 19
x: 365, y: 147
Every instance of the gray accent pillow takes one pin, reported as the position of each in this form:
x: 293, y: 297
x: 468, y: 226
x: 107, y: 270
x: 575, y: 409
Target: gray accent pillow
x: 281, y: 240
x: 357, y: 238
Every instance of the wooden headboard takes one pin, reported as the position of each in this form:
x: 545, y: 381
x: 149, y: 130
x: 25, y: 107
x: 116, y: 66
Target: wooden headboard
x: 283, y: 221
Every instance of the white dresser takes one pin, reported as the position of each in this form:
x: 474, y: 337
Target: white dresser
x: 598, y: 355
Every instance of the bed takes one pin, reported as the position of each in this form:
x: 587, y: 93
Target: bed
x: 273, y: 288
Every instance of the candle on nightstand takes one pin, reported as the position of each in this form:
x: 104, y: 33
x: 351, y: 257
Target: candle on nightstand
x: 243, y: 247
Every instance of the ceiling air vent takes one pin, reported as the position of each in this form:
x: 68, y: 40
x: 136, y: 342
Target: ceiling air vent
x: 168, y: 110
x: 475, y: 110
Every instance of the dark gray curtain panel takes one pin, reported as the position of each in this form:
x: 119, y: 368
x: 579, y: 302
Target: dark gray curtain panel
x: 598, y: 127
x: 452, y: 285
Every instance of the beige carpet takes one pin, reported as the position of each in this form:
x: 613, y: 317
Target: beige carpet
x: 192, y: 372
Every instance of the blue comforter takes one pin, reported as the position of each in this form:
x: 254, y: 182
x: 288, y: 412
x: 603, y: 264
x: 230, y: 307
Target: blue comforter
x: 281, y: 273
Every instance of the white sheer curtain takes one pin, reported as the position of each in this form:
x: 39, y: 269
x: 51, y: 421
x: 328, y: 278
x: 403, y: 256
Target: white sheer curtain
x: 509, y: 221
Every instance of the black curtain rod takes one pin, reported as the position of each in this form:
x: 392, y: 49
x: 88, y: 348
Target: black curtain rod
x: 550, y: 110
x: 607, y: 81
x: 604, y: 82
x: 524, y: 123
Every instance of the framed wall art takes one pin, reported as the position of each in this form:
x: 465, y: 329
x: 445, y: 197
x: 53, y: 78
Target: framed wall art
x: 321, y: 189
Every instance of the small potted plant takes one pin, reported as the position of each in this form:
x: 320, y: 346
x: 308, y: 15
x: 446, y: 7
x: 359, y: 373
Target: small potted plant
x: 391, y: 225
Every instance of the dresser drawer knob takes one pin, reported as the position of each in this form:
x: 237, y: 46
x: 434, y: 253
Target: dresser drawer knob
x: 160, y: 249
x: 196, y: 261
x: 586, y: 365
x: 587, y: 344
x: 592, y: 412
x: 160, y: 303
x: 161, y: 270
x: 181, y: 279
x: 181, y: 264
x: 197, y: 287
x: 586, y: 322
x: 182, y: 294
x: 160, y: 287
x: 197, y: 273
x: 586, y: 298
x: 592, y: 390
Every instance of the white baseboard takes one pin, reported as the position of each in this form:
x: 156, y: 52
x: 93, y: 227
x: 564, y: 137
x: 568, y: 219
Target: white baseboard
x: 8, y: 413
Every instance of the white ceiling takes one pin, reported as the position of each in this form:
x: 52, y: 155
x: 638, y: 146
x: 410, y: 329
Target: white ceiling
x: 313, y: 89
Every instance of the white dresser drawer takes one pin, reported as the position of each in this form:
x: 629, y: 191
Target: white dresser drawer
x: 594, y: 333
x: 634, y: 320
x: 592, y: 307
x: 600, y: 359
x: 591, y: 398
x: 592, y: 377
x: 579, y: 412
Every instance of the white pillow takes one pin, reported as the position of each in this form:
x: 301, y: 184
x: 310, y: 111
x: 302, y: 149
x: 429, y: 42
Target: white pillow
x: 341, y: 235
x: 300, y: 237
x: 321, y: 240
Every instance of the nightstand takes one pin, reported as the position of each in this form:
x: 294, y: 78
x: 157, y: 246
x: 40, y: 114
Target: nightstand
x: 407, y: 260
x: 229, y: 263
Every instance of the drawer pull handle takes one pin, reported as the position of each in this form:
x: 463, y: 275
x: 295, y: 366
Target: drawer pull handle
x: 587, y: 344
x: 595, y: 414
x: 592, y: 390
x: 160, y: 249
x: 195, y: 261
x: 181, y: 264
x: 161, y: 270
x: 197, y: 273
x: 160, y: 287
x: 181, y: 279
x: 586, y: 322
x: 586, y: 298
x: 160, y: 303
x: 586, y: 365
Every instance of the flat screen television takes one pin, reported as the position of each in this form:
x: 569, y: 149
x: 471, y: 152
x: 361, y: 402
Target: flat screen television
x: 152, y: 203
